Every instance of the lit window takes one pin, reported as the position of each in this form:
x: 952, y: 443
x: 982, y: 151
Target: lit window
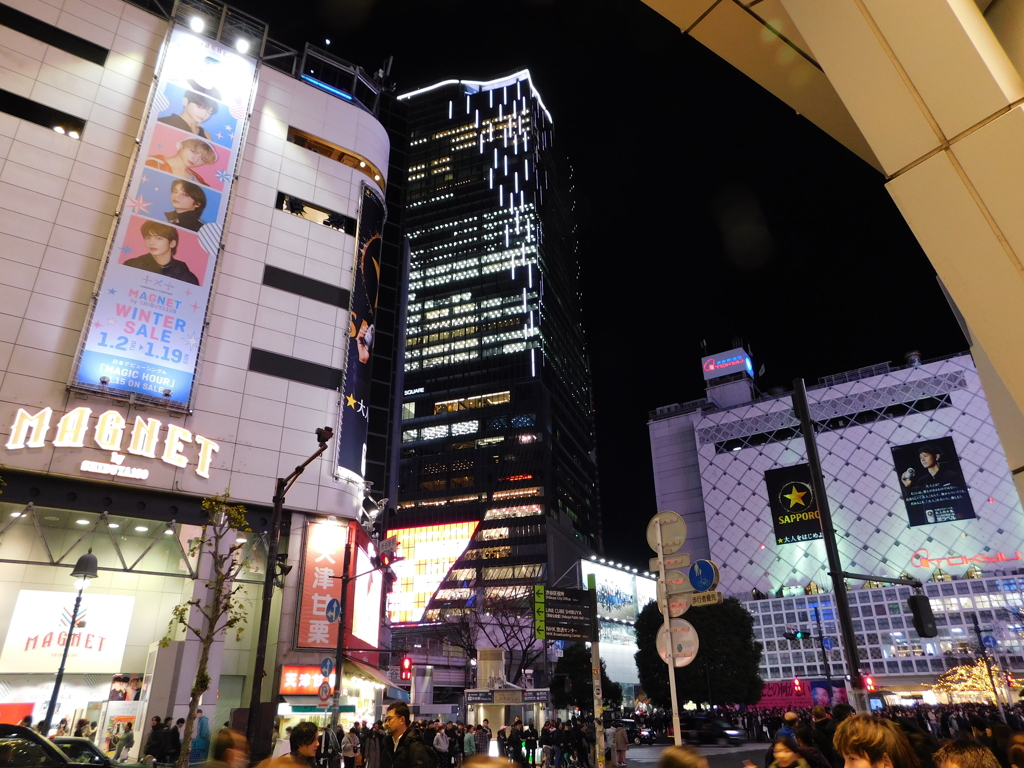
x: 527, y: 510
x: 489, y: 534
x: 408, y: 411
x: 432, y: 433
x: 517, y: 493
x: 465, y: 427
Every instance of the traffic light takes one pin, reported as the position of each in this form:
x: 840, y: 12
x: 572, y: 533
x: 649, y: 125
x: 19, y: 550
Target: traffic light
x: 798, y: 634
x: 797, y: 685
x: 406, y: 668
x: 869, y: 683
x: 924, y: 619
x: 1009, y: 679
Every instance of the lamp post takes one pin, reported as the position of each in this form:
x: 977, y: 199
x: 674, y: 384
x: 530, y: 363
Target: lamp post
x: 86, y: 568
x: 254, y: 726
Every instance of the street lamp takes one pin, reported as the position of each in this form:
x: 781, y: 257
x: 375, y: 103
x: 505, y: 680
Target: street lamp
x: 85, y: 569
x: 253, y: 729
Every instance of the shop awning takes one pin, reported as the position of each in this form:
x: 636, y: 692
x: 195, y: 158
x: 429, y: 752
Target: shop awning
x: 375, y: 675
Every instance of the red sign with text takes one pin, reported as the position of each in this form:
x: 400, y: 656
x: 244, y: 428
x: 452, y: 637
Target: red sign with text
x: 303, y: 681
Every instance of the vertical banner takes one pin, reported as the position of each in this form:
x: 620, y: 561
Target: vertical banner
x: 933, y: 485
x: 355, y: 405
x: 793, y: 506
x: 322, y: 563
x: 147, y: 322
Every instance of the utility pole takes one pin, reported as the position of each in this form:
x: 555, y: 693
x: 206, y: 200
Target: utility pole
x: 259, y: 747
x: 824, y: 650
x: 988, y: 664
x: 803, y: 413
x: 339, y: 653
x: 595, y: 673
x: 677, y: 737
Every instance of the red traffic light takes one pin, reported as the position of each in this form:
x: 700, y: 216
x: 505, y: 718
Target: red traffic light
x: 406, y: 668
x: 797, y: 685
x: 869, y: 684
x: 385, y: 559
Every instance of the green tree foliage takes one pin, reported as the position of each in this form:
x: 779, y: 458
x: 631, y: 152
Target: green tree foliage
x: 221, y: 611
x: 728, y: 657
x: 574, y: 666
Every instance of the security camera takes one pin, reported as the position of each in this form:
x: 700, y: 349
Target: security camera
x: 324, y: 434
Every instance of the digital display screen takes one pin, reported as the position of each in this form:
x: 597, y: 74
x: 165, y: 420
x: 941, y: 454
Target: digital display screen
x: 428, y: 553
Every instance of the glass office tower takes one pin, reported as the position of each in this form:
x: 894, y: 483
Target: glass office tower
x: 496, y: 417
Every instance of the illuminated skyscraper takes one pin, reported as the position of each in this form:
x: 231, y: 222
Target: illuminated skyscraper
x: 496, y: 416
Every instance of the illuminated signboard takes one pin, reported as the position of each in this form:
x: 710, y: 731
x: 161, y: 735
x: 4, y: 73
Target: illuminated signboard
x: 147, y: 322
x: 31, y: 430
x: 355, y: 411
x: 38, y: 631
x: 322, y: 562
x: 933, y: 485
x: 303, y: 681
x: 366, y: 594
x: 429, y: 551
x: 733, y: 361
x: 620, y: 595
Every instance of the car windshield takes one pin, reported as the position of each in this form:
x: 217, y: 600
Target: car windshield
x: 19, y: 752
x: 81, y: 752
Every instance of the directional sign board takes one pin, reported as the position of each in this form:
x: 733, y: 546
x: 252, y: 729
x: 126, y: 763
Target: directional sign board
x: 703, y: 575
x: 684, y: 642
x: 673, y: 532
x: 567, y: 614
x: 388, y: 545
x: 325, y: 691
x: 333, y: 611
x: 326, y: 667
x: 705, y: 598
x: 989, y: 642
x: 827, y: 644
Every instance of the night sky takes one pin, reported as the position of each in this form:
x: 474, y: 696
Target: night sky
x: 708, y: 209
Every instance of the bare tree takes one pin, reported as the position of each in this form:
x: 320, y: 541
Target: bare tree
x: 221, y: 610
x: 502, y: 618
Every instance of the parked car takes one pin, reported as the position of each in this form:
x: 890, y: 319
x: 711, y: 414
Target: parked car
x: 22, y: 747
x: 707, y: 729
x: 84, y: 751
x: 637, y: 733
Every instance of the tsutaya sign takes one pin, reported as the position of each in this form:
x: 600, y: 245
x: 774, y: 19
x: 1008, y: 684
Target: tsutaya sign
x: 31, y: 430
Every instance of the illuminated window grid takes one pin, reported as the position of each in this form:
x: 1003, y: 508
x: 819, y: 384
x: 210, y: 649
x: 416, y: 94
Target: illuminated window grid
x: 429, y: 552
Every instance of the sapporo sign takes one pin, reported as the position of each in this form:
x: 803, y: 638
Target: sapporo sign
x: 108, y: 432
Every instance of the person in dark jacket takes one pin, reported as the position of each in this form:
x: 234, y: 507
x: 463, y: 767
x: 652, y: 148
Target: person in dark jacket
x: 156, y: 742
x: 172, y: 740
x: 403, y: 746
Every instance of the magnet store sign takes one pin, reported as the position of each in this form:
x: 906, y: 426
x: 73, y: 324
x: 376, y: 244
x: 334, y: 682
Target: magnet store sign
x: 32, y: 430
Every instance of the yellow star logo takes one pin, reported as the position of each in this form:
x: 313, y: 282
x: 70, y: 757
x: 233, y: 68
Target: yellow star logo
x: 795, y: 497
x: 351, y: 401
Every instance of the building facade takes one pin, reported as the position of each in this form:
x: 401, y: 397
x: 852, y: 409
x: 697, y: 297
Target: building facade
x: 917, y: 482
x: 498, y: 483
x: 196, y: 275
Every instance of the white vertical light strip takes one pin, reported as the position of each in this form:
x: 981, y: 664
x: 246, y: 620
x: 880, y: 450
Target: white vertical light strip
x: 506, y: 234
x: 449, y: 110
x: 515, y: 177
x: 490, y: 178
x: 525, y: 306
x: 506, y: 165
x: 526, y: 143
x: 499, y: 112
x: 477, y: 117
x: 501, y: 194
x: 526, y: 168
x: 467, y: 104
x: 533, y: 362
x: 490, y: 96
x: 495, y: 156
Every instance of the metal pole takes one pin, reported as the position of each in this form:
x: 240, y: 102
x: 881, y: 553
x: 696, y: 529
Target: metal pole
x: 676, y: 735
x: 988, y: 666
x: 273, y: 542
x: 803, y: 412
x: 339, y: 653
x: 824, y: 651
x: 45, y: 728
x: 595, y: 673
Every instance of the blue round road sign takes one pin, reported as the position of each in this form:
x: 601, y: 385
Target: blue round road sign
x: 326, y: 667
x: 333, y: 610
x: 989, y: 642
x: 703, y: 575
x: 827, y: 644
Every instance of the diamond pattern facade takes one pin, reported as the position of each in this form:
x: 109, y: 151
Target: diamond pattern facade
x: 858, y: 421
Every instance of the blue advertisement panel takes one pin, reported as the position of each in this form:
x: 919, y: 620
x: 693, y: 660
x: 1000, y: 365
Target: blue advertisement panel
x: 147, y: 323
x: 355, y: 405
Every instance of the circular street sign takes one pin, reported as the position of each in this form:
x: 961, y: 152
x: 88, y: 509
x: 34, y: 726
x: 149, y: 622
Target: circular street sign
x: 703, y: 575
x: 679, y: 602
x: 673, y: 532
x: 333, y: 610
x: 325, y: 691
x: 827, y: 643
x: 326, y: 667
x: 989, y: 642
x: 684, y: 642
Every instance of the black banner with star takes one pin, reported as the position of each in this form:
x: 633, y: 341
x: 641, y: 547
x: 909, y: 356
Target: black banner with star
x: 355, y: 404
x: 793, y: 506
